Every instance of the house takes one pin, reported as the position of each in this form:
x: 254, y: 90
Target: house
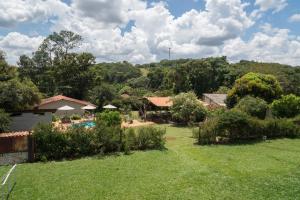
x: 53, y: 103
x: 157, y: 109
x: 215, y: 100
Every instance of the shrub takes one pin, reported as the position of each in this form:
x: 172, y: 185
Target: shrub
x: 80, y: 142
x: 130, y: 138
x: 109, y: 118
x: 255, y: 107
x: 233, y: 124
x: 4, y: 121
x: 150, y: 138
x: 107, y: 138
x: 276, y: 128
x: 55, y: 118
x: 75, y: 117
x: 207, y: 132
x: 286, y: 106
x: 186, y: 108
x: 50, y: 144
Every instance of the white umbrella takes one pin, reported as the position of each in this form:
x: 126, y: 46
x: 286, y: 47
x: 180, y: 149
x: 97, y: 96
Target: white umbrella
x: 66, y: 108
x: 89, y: 107
x: 109, y: 106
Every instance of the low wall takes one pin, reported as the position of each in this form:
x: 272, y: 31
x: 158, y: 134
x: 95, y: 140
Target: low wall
x: 13, y: 158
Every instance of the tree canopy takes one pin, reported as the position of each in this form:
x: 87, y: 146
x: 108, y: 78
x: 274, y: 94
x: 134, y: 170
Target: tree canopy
x: 255, y: 84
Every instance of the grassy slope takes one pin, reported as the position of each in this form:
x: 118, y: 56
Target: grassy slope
x: 258, y: 171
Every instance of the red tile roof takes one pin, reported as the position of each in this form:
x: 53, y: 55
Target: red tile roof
x: 61, y: 97
x: 14, y: 134
x: 161, y: 101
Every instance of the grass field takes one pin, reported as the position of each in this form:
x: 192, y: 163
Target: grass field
x: 269, y: 170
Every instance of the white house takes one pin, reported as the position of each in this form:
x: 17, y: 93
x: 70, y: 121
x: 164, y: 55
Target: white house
x: 53, y: 103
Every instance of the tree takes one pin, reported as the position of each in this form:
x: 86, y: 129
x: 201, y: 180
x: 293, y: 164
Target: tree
x: 156, y: 77
x: 18, y: 95
x: 255, y: 107
x: 187, y: 108
x: 73, y: 77
x: 286, y: 106
x: 102, y: 94
x: 258, y: 85
x: 4, y: 121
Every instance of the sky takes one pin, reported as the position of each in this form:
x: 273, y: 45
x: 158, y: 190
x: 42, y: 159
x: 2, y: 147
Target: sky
x: 141, y: 31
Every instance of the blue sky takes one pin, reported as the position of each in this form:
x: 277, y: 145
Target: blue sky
x: 141, y: 31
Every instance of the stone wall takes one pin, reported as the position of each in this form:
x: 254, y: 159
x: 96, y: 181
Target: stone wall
x: 13, y: 158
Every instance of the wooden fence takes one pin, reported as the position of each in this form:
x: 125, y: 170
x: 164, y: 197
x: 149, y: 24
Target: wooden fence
x: 16, y: 148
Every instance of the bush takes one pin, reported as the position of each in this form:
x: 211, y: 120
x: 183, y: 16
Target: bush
x: 107, y: 138
x: 55, y: 118
x: 109, y: 118
x: 276, y: 128
x: 80, y: 142
x: 187, y: 109
x: 255, y: 107
x: 286, y: 106
x: 75, y: 117
x: 207, y: 132
x: 4, y: 121
x: 150, y: 138
x: 50, y: 143
x: 234, y: 125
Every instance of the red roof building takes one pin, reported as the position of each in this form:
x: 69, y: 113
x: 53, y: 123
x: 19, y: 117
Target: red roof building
x: 164, y: 102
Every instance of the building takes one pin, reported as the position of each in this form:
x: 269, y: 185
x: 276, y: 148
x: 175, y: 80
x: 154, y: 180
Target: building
x: 215, y: 100
x: 53, y: 103
x: 159, y: 102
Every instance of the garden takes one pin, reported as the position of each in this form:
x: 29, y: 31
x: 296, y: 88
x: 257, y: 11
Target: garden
x: 263, y: 170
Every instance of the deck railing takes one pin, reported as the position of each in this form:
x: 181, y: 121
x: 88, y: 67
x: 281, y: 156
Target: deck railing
x: 8, y: 182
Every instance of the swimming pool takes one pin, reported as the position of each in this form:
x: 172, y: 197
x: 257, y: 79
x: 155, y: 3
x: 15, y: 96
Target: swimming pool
x: 85, y: 124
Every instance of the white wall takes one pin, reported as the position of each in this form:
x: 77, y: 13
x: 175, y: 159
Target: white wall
x: 58, y: 104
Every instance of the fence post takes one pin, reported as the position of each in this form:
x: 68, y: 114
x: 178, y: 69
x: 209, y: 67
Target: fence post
x: 30, y: 148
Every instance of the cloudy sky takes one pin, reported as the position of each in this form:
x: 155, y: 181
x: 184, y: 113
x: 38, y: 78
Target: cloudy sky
x: 141, y: 31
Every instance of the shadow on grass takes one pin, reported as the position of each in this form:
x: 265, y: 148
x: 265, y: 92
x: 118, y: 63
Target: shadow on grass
x: 235, y: 143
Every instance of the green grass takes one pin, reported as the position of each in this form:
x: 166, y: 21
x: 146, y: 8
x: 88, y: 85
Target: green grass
x: 269, y: 170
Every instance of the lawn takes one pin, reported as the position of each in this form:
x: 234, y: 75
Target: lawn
x: 268, y: 170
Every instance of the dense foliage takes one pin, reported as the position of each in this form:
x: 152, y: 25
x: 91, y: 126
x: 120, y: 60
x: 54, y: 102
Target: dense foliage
x: 286, y: 106
x: 234, y: 126
x: 4, y: 121
x: 54, y: 144
x: 255, y: 84
x: 187, y: 108
x: 255, y: 107
x: 16, y: 93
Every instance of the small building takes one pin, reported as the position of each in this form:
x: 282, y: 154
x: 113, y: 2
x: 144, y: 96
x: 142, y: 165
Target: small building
x: 215, y: 100
x: 157, y: 109
x: 53, y: 103
x: 162, y: 103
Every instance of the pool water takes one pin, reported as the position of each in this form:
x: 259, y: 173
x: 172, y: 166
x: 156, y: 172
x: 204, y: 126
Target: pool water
x: 85, y: 124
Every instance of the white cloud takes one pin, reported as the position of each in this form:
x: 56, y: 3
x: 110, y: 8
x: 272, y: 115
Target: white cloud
x: 16, y: 11
x: 270, y: 45
x: 274, y: 5
x: 16, y: 44
x: 295, y: 18
x: 213, y: 31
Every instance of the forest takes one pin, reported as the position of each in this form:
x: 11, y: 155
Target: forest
x: 59, y: 67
